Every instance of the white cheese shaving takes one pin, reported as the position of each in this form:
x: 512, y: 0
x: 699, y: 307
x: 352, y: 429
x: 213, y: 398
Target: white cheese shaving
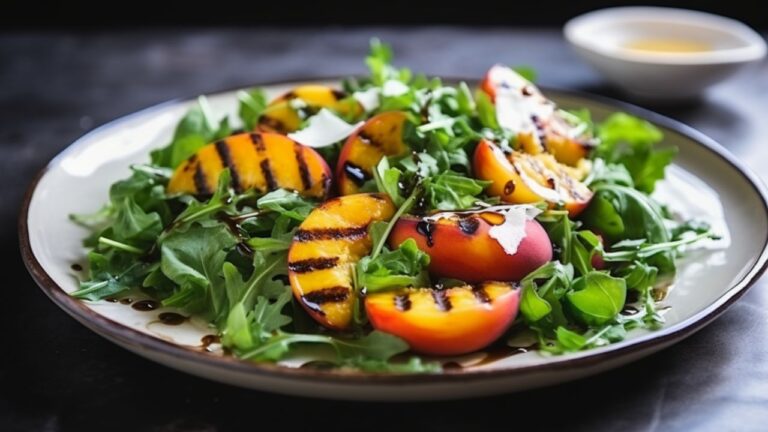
x: 508, y: 234
x: 323, y: 129
x: 369, y: 99
x: 393, y: 88
x: 518, y: 101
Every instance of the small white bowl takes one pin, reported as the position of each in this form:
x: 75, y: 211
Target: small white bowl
x: 601, y: 38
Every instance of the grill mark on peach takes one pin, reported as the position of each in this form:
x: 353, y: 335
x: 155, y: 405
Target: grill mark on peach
x: 313, y: 264
x: 190, y: 164
x: 441, y: 299
x: 222, y: 149
x: 201, y: 183
x: 351, y: 233
x: 368, y: 139
x: 480, y: 294
x: 272, y: 123
x: 540, y: 131
x: 402, y: 302
x: 338, y: 94
x: 319, y: 297
x: 266, y: 170
x: 306, y: 181
x: 258, y: 142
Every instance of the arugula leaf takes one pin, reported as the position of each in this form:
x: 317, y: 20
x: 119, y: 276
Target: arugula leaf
x: 379, y: 62
x: 134, y: 226
x: 541, y: 300
x: 453, y: 191
x: 602, y: 172
x: 110, y: 273
x: 195, y: 130
x: 486, y: 111
x: 630, y: 141
x: 402, y: 267
x: 569, y: 340
x: 193, y: 259
x: 222, y: 200
x: 631, y: 250
x: 597, y: 298
x: 620, y: 213
x: 252, y: 104
x: 287, y: 203
x: 527, y: 72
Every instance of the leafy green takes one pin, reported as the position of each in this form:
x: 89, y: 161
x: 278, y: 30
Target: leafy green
x: 193, y: 260
x: 597, y: 298
x: 527, y: 72
x: 111, y: 272
x: 196, y: 129
x: 453, y: 191
x: 402, y: 267
x: 252, y: 104
x: 542, y: 290
x: 630, y: 141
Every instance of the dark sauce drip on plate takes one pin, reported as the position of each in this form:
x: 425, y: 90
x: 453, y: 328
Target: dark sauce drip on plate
x: 502, y: 351
x: 76, y: 267
x: 146, y: 305
x: 209, y: 340
x: 172, y: 318
x: 126, y: 300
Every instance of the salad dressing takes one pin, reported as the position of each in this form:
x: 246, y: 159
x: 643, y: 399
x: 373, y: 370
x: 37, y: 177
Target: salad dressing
x: 668, y: 45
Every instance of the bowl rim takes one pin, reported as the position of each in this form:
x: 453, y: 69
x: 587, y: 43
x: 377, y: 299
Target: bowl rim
x: 576, y: 32
x: 141, y: 342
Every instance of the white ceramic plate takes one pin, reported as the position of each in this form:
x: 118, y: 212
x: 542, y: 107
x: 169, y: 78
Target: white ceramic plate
x: 705, y: 181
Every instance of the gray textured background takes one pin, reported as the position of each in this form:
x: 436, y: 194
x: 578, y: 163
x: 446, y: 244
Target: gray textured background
x: 56, y: 375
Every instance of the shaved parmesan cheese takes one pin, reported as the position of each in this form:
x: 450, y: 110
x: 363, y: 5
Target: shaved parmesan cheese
x: 394, y: 88
x: 369, y: 99
x: 324, y: 129
x: 510, y: 233
x: 518, y: 101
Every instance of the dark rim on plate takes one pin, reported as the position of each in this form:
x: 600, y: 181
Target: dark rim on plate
x: 125, y: 335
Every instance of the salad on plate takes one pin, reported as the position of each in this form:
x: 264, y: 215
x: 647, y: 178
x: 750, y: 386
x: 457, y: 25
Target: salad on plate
x: 396, y: 221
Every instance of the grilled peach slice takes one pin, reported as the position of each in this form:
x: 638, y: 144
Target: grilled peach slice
x: 284, y: 114
x: 550, y: 132
x: 460, y: 246
x: 262, y: 161
x: 519, y: 178
x: 380, y: 136
x: 446, y: 321
x: 324, y: 251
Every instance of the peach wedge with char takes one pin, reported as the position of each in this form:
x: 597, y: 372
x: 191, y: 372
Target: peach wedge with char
x: 324, y: 251
x: 517, y: 177
x: 380, y: 136
x: 448, y: 321
x: 261, y: 161
x: 552, y: 133
x: 285, y: 113
x: 460, y: 246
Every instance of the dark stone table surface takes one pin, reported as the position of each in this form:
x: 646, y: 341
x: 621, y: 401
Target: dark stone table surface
x: 57, y: 375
